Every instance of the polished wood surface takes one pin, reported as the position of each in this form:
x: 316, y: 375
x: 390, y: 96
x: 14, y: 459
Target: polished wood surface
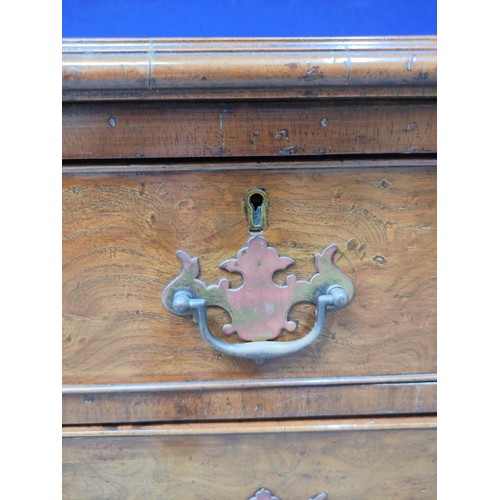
x: 280, y: 163
x: 247, y: 129
x: 121, y: 233
x: 162, y: 139
x: 243, y: 97
x: 378, y: 459
x: 248, y: 68
x: 140, y: 403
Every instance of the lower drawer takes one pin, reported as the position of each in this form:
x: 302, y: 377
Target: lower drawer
x: 295, y: 460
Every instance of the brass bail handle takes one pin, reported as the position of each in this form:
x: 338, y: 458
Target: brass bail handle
x: 259, y: 308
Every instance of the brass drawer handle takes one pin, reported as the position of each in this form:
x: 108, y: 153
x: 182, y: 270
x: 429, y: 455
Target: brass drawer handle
x: 259, y: 307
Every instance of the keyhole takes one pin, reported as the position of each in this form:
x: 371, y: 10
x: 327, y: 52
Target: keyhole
x: 256, y: 202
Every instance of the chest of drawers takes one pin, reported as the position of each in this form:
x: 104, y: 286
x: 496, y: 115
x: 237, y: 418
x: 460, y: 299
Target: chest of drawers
x: 226, y: 150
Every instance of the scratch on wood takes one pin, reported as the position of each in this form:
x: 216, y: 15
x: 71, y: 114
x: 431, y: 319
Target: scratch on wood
x: 410, y: 63
x: 411, y: 126
x: 348, y: 63
x: 290, y: 150
x: 150, y: 58
x: 255, y: 135
x: 282, y: 133
x: 417, y: 399
x: 221, y: 135
x: 311, y: 71
x: 82, y: 318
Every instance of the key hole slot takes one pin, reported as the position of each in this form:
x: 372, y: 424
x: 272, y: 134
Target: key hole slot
x: 256, y: 200
x: 256, y: 203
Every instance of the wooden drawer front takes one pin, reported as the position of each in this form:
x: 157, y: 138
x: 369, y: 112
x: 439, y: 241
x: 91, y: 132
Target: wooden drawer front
x: 121, y: 232
x: 344, y: 459
x: 127, y: 359
x: 237, y: 129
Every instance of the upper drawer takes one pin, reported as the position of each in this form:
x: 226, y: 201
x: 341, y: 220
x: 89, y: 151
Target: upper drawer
x: 122, y: 230
x: 136, y: 130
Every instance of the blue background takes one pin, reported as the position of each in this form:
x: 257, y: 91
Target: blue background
x: 247, y: 18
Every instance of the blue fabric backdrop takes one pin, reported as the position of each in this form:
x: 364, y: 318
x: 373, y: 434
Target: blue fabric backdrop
x: 252, y: 18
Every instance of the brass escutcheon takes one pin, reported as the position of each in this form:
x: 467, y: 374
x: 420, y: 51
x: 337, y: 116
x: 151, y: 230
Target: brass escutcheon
x: 256, y: 203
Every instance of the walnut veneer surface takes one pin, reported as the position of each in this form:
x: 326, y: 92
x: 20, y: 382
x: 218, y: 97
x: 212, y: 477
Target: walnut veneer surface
x: 162, y: 139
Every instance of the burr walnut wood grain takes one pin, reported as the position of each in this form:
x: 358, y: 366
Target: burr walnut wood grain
x: 247, y: 129
x: 377, y: 459
x: 121, y: 232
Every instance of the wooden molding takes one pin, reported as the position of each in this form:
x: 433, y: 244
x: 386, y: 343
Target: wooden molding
x: 261, y: 403
x: 107, y: 167
x: 269, y: 383
x: 276, y: 426
x: 173, y: 69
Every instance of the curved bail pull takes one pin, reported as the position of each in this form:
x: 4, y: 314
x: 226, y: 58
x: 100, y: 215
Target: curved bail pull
x: 259, y: 307
x: 261, y: 350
